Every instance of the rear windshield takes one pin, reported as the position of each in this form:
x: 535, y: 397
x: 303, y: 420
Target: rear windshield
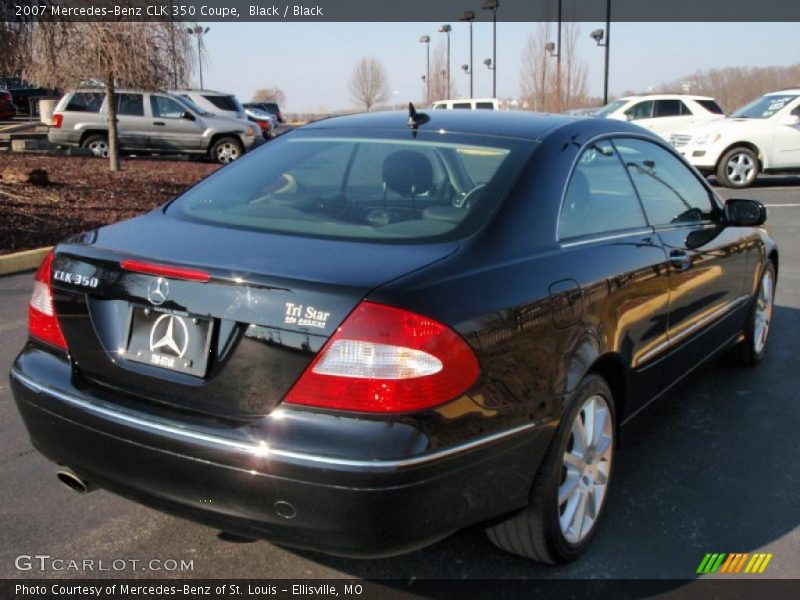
x: 392, y: 187
x: 711, y: 106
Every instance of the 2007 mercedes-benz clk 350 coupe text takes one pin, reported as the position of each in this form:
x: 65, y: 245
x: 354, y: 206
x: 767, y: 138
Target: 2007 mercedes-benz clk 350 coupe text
x: 381, y: 328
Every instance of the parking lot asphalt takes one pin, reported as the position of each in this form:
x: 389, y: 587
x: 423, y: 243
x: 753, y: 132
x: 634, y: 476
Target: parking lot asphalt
x: 713, y: 468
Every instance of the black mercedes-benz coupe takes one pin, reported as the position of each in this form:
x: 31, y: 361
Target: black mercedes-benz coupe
x: 381, y: 328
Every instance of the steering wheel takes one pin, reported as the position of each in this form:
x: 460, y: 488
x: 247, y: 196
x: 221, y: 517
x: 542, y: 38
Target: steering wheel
x: 470, y: 198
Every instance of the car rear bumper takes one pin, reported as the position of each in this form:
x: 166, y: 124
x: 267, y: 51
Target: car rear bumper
x: 338, y: 505
x: 63, y: 137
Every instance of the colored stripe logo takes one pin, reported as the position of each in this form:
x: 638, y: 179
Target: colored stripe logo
x: 737, y: 562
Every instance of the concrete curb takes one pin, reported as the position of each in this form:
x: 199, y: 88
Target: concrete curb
x: 19, y: 262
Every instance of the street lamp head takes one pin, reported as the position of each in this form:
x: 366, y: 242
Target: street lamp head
x: 207, y: 29
x: 424, y: 78
x: 550, y: 47
x: 488, y: 62
x: 425, y: 39
x: 490, y: 5
x: 465, y: 68
x: 597, y: 35
x: 445, y: 28
x: 467, y: 16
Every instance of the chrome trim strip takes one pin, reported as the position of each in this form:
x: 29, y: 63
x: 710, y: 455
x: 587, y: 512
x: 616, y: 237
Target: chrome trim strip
x: 720, y: 312
x: 606, y: 237
x: 261, y: 449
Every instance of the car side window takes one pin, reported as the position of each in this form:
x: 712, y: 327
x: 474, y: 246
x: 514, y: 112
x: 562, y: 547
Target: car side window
x: 640, y: 110
x: 131, y: 105
x: 670, y: 192
x: 85, y: 102
x: 166, y: 108
x: 599, y: 196
x: 669, y: 108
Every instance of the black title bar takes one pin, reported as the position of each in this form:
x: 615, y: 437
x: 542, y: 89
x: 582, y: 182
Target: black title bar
x: 273, y: 11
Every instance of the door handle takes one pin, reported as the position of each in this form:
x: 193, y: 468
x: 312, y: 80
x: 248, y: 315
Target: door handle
x: 680, y: 260
x: 159, y: 123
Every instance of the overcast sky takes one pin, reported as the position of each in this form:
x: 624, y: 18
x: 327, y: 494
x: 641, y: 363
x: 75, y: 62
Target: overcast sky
x: 311, y: 62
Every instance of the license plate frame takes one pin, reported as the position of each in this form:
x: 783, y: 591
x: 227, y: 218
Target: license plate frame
x: 174, y: 341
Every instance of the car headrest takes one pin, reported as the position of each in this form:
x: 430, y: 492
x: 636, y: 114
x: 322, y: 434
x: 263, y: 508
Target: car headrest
x: 408, y: 172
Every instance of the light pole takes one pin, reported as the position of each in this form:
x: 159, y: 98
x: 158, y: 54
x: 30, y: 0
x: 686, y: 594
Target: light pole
x: 493, y: 5
x: 597, y: 36
x: 470, y: 17
x: 447, y: 29
x: 199, y: 32
x: 426, y: 39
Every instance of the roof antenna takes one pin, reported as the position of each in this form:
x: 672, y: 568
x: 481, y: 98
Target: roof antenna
x: 416, y: 119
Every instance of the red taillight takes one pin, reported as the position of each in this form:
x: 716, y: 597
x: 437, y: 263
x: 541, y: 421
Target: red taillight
x: 165, y: 270
x: 387, y: 360
x: 42, y: 320
x: 56, y: 120
x: 263, y: 124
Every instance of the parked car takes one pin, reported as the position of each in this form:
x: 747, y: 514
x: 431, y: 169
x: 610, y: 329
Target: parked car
x: 149, y: 122
x: 762, y: 137
x: 24, y: 95
x: 268, y: 107
x: 664, y: 114
x: 7, y: 107
x: 216, y: 103
x: 467, y: 103
x: 265, y: 121
x: 381, y: 328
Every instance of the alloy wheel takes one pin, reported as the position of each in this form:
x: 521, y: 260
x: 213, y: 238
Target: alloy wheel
x: 99, y: 148
x: 585, y: 469
x: 763, y: 315
x: 227, y: 152
x: 740, y: 169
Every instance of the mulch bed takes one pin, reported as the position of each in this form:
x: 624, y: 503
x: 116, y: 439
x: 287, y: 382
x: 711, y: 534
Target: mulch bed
x: 84, y: 194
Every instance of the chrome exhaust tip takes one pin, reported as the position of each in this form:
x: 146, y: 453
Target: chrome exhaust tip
x: 74, y: 482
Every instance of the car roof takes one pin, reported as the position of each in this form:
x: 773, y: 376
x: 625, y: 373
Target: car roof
x: 499, y: 123
x: 666, y: 97
x: 205, y: 92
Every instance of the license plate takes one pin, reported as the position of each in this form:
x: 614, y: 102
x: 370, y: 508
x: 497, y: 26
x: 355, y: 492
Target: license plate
x: 169, y: 340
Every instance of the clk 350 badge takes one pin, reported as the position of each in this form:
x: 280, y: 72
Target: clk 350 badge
x: 75, y: 279
x: 305, y: 316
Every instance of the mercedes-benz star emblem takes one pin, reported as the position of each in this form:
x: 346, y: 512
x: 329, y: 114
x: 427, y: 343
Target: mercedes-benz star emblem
x: 169, y: 332
x: 158, y: 291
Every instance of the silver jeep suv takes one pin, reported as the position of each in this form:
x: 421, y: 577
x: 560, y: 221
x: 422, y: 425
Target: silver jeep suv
x: 149, y: 122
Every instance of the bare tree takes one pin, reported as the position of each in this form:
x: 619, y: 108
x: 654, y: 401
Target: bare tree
x: 734, y: 87
x: 368, y: 84
x: 143, y: 55
x: 272, y: 94
x: 535, y: 76
x: 543, y: 88
x: 438, y: 87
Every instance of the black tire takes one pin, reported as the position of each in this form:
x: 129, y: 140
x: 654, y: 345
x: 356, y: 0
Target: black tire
x: 749, y: 352
x: 738, y: 168
x: 536, y: 532
x: 226, y: 149
x: 98, y: 144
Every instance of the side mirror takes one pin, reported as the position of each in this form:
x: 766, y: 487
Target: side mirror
x: 745, y: 213
x: 790, y: 120
x: 187, y: 115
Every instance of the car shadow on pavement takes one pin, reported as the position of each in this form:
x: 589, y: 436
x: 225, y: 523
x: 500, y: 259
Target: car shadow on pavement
x: 711, y: 468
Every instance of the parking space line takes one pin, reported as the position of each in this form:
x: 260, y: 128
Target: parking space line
x: 780, y: 205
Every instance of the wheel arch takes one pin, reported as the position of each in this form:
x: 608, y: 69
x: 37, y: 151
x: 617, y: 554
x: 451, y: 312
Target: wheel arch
x: 90, y: 132
x: 611, y: 367
x: 742, y: 144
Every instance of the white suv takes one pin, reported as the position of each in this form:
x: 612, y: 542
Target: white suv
x: 762, y: 137
x: 664, y: 114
